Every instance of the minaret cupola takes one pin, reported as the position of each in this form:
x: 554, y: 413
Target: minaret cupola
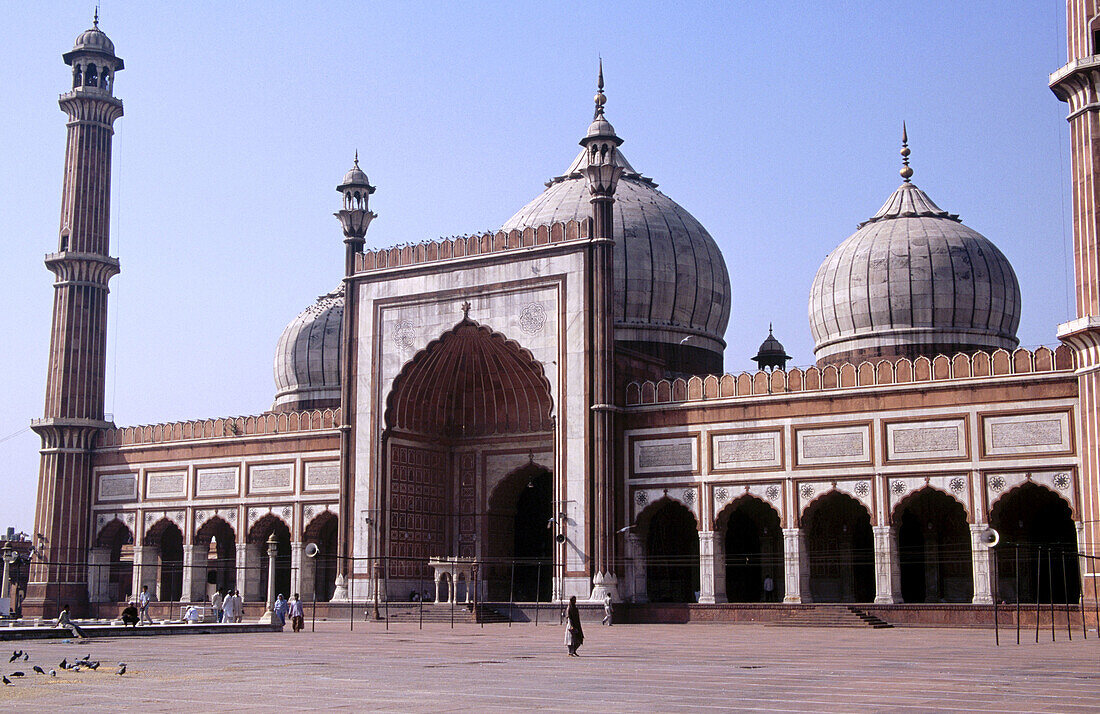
x: 355, y: 217
x: 93, y: 60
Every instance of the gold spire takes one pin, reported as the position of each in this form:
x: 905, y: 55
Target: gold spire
x: 906, y: 172
x: 600, y: 98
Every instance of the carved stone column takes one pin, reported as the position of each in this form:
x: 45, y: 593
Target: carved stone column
x: 99, y: 575
x: 636, y: 554
x: 983, y: 561
x: 796, y: 570
x: 712, y: 568
x: 887, y: 566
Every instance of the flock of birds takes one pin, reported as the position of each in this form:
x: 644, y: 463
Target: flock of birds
x: 77, y: 665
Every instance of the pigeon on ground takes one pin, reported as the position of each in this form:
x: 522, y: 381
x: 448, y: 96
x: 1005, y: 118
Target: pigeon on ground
x: 15, y: 655
x: 7, y: 681
x: 38, y: 670
x: 93, y: 665
x: 18, y: 674
x: 53, y: 672
x: 87, y: 657
x: 26, y: 656
x: 63, y: 664
x: 121, y: 669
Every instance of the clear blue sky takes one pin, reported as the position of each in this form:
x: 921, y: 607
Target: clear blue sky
x: 776, y: 124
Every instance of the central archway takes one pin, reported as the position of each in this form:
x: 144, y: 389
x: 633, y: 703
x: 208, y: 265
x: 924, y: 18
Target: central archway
x: 672, y: 552
x: 469, y: 399
x: 840, y: 544
x: 1037, y: 532
x: 520, y: 543
x: 753, y: 542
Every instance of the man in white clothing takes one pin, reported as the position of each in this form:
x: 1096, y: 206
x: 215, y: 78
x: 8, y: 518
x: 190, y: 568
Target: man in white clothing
x: 216, y: 604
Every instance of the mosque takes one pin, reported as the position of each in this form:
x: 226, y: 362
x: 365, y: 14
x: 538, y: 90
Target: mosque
x: 542, y: 410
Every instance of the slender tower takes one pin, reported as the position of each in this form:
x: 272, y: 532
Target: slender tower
x: 603, y: 173
x: 355, y: 218
x: 82, y: 267
x: 1078, y: 84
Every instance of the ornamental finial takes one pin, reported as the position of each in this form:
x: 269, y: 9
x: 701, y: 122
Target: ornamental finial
x: 357, y: 158
x: 600, y: 98
x: 906, y: 172
x: 95, y: 18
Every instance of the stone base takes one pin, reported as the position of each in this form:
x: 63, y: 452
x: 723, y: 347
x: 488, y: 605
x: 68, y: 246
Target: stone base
x: 47, y: 599
x: 602, y: 584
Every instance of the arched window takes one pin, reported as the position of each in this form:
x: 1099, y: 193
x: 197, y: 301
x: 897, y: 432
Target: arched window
x: 78, y: 76
x: 91, y: 76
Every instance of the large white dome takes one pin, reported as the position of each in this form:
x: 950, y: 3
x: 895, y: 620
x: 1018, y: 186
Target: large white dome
x: 672, y: 290
x: 307, y: 358
x: 913, y: 280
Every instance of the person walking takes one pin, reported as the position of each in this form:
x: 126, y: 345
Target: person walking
x: 607, y: 609
x: 218, y: 604
x: 64, y: 622
x: 574, y: 635
x: 144, y: 598
x: 297, y: 614
x: 238, y: 606
x: 279, y: 609
x: 769, y: 588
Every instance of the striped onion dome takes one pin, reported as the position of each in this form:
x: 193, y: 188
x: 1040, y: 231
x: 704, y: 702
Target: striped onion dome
x: 307, y: 358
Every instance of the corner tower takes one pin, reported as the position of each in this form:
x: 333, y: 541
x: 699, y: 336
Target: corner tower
x: 82, y: 267
x: 1077, y: 84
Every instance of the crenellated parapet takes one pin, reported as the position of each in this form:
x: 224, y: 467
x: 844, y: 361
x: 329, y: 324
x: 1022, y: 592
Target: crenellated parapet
x: 866, y: 374
x: 466, y: 246
x: 241, y: 426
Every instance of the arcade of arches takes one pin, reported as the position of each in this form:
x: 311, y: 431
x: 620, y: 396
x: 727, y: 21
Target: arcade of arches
x: 837, y: 556
x: 467, y: 403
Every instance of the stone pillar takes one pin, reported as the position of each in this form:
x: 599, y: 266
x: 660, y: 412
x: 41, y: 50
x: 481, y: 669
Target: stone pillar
x: 712, y: 568
x: 194, y: 572
x: 887, y: 566
x: 248, y: 571
x: 272, y: 551
x: 146, y: 568
x: 796, y: 566
x: 300, y: 567
x: 636, y: 554
x: 99, y: 575
x: 983, y: 561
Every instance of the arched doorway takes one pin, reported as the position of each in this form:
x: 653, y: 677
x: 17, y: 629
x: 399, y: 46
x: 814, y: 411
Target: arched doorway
x: 934, y: 548
x: 257, y: 538
x: 672, y: 553
x: 840, y: 546
x: 1036, y: 526
x: 221, y: 556
x: 753, y: 543
x: 467, y: 394
x: 322, y: 531
x: 520, y: 541
x: 120, y: 569
x: 167, y: 538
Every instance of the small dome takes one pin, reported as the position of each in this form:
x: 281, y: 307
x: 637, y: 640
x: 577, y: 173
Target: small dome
x: 911, y: 281
x: 600, y: 127
x: 307, y: 358
x: 355, y: 177
x: 94, y: 40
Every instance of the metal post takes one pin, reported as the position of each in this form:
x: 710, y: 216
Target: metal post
x: 1065, y: 592
x: 313, y: 617
x: 512, y: 593
x: 1081, y: 601
x: 386, y: 587
x: 996, y: 604
x: 420, y: 596
x: 538, y: 589
x: 452, y: 595
x: 1095, y: 600
x: 1050, y: 592
x: 1016, y: 549
x: 1038, y: 581
x: 351, y: 602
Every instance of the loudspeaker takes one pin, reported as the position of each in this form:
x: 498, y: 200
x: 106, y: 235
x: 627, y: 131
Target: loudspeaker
x: 990, y: 537
x: 312, y: 550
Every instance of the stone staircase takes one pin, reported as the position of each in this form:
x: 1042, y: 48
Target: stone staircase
x: 830, y: 616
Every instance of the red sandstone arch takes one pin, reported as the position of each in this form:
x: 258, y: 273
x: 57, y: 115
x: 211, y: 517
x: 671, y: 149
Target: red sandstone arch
x: 471, y: 381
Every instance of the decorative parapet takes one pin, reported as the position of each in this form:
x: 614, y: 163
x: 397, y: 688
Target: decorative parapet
x: 465, y: 246
x: 227, y: 427
x: 866, y: 374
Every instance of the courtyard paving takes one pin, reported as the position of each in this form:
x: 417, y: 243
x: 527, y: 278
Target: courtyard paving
x: 622, y: 668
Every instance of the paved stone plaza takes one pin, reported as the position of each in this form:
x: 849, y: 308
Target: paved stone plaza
x: 624, y: 668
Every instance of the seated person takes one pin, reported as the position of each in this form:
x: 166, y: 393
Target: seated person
x: 130, y: 615
x: 64, y: 621
x: 192, y: 615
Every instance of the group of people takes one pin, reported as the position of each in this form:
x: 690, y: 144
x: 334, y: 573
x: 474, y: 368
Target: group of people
x: 228, y: 607
x: 292, y: 608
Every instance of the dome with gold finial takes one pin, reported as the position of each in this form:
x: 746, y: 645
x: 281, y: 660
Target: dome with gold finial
x: 911, y: 281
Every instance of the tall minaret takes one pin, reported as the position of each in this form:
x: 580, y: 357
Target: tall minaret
x: 1078, y: 84
x: 82, y: 267
x: 603, y: 172
x: 355, y: 218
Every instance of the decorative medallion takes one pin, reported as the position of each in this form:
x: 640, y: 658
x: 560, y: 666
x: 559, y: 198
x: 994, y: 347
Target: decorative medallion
x: 641, y: 498
x: 721, y: 495
x: 308, y: 513
x: 956, y: 485
x: 807, y: 491
x: 898, y: 487
x: 862, y: 489
x: 149, y: 518
x: 689, y: 496
x: 997, y: 483
x: 200, y: 516
x: 253, y: 514
x: 403, y: 335
x: 532, y: 318
x: 231, y: 515
x: 287, y: 512
x: 129, y: 518
x: 1061, y: 481
x: 771, y: 492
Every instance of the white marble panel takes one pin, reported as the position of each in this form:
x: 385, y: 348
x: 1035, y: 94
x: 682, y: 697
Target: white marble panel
x: 117, y: 487
x: 750, y: 450
x: 166, y: 485
x: 833, y: 445
x: 944, y: 439
x: 666, y: 455
x: 1015, y: 434
x: 322, y: 476
x: 216, y: 481
x: 270, y: 477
